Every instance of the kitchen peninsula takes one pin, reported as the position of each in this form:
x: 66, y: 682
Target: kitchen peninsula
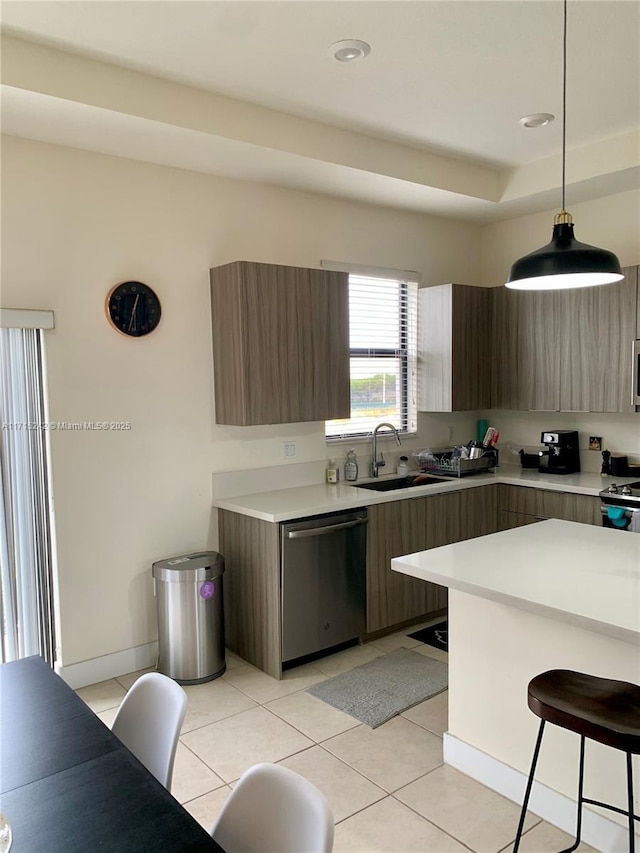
x: 543, y: 596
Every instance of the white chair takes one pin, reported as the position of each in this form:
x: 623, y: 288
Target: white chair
x: 148, y: 723
x: 274, y: 810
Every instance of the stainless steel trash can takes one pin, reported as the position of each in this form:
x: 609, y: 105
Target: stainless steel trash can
x: 188, y: 592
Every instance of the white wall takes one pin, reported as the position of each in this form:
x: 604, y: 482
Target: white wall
x: 74, y: 224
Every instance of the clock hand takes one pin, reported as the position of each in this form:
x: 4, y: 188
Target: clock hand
x: 132, y: 321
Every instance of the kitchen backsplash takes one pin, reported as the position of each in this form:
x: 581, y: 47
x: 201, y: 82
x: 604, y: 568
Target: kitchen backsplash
x: 264, y: 471
x: 620, y: 433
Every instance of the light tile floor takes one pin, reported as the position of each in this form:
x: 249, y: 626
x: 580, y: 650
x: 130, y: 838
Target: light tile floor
x: 389, y: 787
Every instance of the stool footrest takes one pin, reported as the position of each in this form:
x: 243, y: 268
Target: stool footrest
x: 610, y: 807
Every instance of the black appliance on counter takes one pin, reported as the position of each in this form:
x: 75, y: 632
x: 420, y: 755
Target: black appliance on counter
x: 621, y: 507
x: 562, y: 455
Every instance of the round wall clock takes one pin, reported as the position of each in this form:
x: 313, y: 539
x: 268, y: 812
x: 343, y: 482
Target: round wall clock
x: 133, y: 308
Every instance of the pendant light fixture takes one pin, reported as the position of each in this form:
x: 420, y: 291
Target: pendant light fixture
x: 564, y: 263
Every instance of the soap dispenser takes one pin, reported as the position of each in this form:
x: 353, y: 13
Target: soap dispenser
x: 351, y: 466
x: 333, y: 472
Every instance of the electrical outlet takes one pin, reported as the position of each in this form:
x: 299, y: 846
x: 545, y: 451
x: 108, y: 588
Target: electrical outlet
x: 451, y: 431
x: 288, y: 449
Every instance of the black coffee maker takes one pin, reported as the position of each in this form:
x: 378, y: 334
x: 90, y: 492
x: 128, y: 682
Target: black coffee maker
x: 562, y: 455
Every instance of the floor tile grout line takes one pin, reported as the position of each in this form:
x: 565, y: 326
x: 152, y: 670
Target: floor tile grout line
x: 203, y: 794
x: 218, y: 720
x: 295, y: 752
x: 195, y: 754
x: 364, y: 808
x: 206, y: 793
x: 439, y: 828
x: 537, y: 823
x: 353, y: 769
x: 316, y: 742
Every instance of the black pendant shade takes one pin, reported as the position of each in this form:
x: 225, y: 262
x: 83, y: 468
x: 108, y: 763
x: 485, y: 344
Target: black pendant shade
x: 564, y: 263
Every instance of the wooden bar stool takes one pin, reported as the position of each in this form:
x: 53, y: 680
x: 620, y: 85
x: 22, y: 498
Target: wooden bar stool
x: 600, y: 709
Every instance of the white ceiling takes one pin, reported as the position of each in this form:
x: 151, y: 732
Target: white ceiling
x: 448, y: 78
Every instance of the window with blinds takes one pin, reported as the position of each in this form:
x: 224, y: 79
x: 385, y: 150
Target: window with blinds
x: 383, y: 345
x: 27, y: 600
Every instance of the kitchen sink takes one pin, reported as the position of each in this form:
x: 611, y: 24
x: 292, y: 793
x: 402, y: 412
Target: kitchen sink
x: 400, y: 483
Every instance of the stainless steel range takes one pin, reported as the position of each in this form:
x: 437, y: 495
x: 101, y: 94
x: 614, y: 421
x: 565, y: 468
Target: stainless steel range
x: 621, y: 507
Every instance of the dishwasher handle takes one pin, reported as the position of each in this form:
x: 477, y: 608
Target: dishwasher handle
x: 321, y: 531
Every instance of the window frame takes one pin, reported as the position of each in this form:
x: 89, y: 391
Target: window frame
x: 401, y: 354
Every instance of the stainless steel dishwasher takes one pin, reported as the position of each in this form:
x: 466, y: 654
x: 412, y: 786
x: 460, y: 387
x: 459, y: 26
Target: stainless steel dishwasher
x: 323, y: 582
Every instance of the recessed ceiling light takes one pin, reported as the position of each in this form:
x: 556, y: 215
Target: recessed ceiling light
x: 348, y: 50
x: 536, y: 120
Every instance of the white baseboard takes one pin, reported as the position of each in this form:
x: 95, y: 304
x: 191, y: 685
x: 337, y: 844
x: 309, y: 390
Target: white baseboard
x: 597, y: 830
x: 109, y: 666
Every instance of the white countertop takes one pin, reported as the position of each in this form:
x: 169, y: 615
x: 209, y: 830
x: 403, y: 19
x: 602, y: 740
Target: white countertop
x: 303, y: 501
x: 577, y: 573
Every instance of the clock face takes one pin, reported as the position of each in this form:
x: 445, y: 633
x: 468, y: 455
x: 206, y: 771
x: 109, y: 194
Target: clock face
x: 133, y: 308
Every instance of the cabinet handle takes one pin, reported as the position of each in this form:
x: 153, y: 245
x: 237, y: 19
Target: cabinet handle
x: 635, y: 374
x: 321, y: 531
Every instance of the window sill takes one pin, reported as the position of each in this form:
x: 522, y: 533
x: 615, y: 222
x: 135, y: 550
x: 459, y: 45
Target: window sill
x: 364, y: 439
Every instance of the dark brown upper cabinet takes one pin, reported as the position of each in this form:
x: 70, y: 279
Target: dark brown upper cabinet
x: 280, y: 344
x: 565, y: 351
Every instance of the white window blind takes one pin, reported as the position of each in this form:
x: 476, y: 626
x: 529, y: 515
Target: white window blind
x: 27, y: 616
x: 383, y: 343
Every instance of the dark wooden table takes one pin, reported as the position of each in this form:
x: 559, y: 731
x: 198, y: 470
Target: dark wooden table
x: 68, y: 784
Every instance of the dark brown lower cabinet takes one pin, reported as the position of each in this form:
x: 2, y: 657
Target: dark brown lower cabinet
x: 251, y: 549
x: 251, y: 582
x: 521, y: 505
x: 418, y: 524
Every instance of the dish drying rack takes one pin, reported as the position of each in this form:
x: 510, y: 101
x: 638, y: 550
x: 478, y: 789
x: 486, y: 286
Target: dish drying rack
x: 451, y: 463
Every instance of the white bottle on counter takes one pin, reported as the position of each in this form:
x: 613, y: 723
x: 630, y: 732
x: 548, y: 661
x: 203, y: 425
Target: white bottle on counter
x: 351, y: 466
x: 403, y: 467
x: 333, y: 472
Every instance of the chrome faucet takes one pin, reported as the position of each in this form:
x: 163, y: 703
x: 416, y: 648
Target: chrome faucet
x: 375, y: 464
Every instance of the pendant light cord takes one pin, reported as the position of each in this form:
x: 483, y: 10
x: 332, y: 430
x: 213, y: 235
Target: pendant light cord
x: 564, y: 104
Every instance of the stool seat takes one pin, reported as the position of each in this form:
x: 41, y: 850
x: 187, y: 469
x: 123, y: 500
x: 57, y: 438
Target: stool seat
x: 600, y: 709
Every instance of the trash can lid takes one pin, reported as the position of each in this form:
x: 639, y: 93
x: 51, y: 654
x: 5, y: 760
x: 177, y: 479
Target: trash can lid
x: 199, y: 566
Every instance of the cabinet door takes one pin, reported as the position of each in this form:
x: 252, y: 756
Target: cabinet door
x: 478, y: 512
x: 596, y: 357
x: 471, y: 348
x: 523, y: 505
x: 571, y: 507
x: 504, y: 379
x: 399, y: 528
x: 394, y: 529
x: 454, y: 358
x: 251, y: 588
x: 519, y: 505
x: 280, y: 344
x: 527, y: 339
